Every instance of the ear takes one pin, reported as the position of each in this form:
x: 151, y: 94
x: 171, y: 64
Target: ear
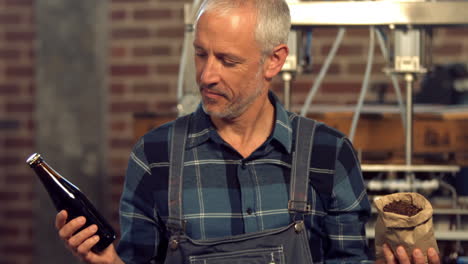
x: 274, y: 62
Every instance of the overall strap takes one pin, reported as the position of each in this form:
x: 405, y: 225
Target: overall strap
x: 299, y: 184
x: 175, y: 223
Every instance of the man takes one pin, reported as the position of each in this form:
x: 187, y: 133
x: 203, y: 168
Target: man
x: 238, y: 158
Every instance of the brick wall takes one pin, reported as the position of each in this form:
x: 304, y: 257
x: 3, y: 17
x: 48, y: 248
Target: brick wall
x: 16, y: 129
x: 144, y: 49
x: 145, y: 39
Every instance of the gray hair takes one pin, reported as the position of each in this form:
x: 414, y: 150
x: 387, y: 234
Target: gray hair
x: 273, y: 19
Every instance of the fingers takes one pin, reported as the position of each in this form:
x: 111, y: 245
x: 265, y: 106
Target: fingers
x: 432, y: 256
x: 402, y: 257
x: 83, y: 236
x: 84, y: 248
x: 388, y: 254
x: 418, y: 256
x: 67, y: 230
x: 80, y: 243
x: 61, y: 219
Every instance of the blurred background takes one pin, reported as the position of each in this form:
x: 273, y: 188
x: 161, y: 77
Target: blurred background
x: 80, y: 81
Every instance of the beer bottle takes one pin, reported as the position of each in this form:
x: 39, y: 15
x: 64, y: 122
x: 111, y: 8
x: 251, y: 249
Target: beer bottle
x: 67, y: 196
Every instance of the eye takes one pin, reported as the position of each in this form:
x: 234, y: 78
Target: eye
x: 200, y: 54
x: 228, y: 62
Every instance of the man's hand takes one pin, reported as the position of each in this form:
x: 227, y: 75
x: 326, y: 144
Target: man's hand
x: 402, y: 257
x: 81, y: 243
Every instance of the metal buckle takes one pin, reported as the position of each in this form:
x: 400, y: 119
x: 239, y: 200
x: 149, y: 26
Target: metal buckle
x: 172, y: 225
x: 298, y: 206
x: 299, y: 226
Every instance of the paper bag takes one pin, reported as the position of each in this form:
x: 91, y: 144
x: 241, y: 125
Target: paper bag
x: 408, y: 231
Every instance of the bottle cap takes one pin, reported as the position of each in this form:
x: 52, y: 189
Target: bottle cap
x: 34, y: 158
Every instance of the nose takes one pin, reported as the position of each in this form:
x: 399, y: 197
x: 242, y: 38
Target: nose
x: 210, y: 74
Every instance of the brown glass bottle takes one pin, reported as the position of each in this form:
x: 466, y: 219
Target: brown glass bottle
x: 67, y: 196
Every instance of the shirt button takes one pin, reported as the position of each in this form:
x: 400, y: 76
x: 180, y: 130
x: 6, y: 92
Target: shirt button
x: 243, y: 166
x: 249, y: 211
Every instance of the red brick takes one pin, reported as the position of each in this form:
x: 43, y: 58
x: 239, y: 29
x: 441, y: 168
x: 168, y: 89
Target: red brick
x: 332, y: 69
x: 456, y: 32
x: 26, y: 36
x: 121, y: 143
x: 118, y: 52
x: 19, y: 107
x: 9, y: 89
x: 31, y: 53
x: 27, y: 178
x: 30, y: 232
x: 145, y: 51
x: 356, y: 33
x: 130, y: 33
x: 8, y: 196
x: 19, y: 2
x: 9, y: 19
x: 119, y: 162
x: 151, y: 88
x: 30, y: 125
x: 19, y: 214
x: 117, y: 179
x: 116, y: 197
x: 152, y: 14
x: 117, y: 89
x: 359, y: 68
x: 341, y: 87
x: 172, y: 32
x: 23, y: 249
x: 20, y: 71
x: 167, y: 106
x: 448, y: 49
x: 168, y: 68
x: 8, y: 231
x: 345, y: 50
x: 31, y: 90
x: 129, y: 70
x: 128, y: 107
x: 9, y: 54
x: 117, y: 15
x: 328, y: 87
x: 119, y: 126
x: 16, y: 143
x: 9, y: 161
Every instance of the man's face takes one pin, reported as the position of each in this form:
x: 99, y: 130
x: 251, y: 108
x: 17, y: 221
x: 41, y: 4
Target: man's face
x: 228, y: 65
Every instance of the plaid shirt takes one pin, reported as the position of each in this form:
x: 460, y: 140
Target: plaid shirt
x: 225, y: 194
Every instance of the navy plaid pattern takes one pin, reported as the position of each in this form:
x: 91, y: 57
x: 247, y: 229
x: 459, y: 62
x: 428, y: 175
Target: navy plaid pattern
x: 225, y: 194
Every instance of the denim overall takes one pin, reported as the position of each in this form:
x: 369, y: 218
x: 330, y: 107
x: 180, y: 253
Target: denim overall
x: 288, y: 244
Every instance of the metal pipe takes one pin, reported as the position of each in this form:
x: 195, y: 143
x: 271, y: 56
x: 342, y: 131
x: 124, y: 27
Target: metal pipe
x: 287, y: 76
x: 393, y: 77
x: 323, y: 70
x: 365, y: 84
x: 453, y: 191
x: 410, y: 177
x: 402, y: 185
x: 409, y: 78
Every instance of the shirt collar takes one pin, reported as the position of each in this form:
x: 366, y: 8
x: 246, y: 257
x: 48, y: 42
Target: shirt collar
x: 201, y: 128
